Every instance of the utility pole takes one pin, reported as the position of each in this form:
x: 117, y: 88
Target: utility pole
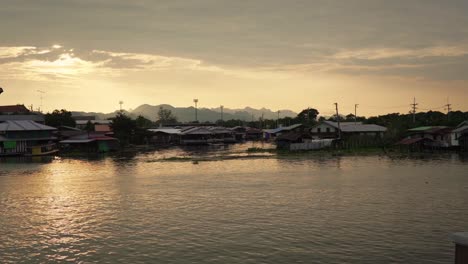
x: 41, y: 93
x: 277, y: 120
x: 355, y: 113
x: 262, y: 122
x: 338, y: 121
x: 414, y: 106
x: 449, y: 109
x: 196, y: 109
x: 121, y: 103
x: 222, y: 117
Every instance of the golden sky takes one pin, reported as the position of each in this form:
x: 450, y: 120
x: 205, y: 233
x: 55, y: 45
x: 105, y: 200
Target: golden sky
x: 89, y: 54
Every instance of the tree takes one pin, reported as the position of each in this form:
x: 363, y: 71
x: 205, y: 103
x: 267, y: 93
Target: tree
x: 307, y: 116
x: 89, y: 126
x: 59, y: 118
x: 142, y: 122
x: 123, y: 127
x: 165, y: 116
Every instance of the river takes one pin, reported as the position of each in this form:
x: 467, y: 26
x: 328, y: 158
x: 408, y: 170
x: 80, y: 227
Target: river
x: 147, y: 208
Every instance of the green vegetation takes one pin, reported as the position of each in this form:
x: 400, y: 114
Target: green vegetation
x: 59, y: 118
x: 165, y: 117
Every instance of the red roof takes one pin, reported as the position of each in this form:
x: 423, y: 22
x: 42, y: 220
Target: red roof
x: 101, y: 137
x: 13, y: 109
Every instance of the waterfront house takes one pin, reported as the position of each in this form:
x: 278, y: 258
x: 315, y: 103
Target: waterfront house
x: 14, y: 110
x: 463, y: 141
x: 273, y: 133
x: 440, y: 135
x: 330, y: 129
x: 19, y: 112
x: 195, y: 136
x: 353, y: 134
x: 253, y: 133
x: 164, y: 136
x: 457, y: 133
x: 240, y: 133
x: 285, y: 140
x: 87, y: 142
x: 102, y: 126
x: 247, y: 133
x: 415, y: 144
x: 222, y: 135
x: 26, y: 137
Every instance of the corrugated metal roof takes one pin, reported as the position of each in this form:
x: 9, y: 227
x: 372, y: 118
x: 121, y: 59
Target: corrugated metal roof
x: 100, y: 122
x: 431, y: 129
x: 409, y: 141
x: 196, y: 131
x: 460, y: 129
x: 166, y: 130
x: 342, y: 124
x: 37, y: 118
x: 363, y: 128
x: 220, y: 130
x: 23, y: 125
x: 356, y: 127
x: 280, y: 129
x: 76, y: 141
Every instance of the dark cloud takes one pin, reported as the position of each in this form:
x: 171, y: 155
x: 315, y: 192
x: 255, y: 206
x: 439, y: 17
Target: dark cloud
x: 240, y: 33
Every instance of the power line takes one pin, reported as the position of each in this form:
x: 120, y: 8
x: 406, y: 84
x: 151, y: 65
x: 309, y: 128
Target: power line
x: 449, y: 108
x: 338, y: 121
x: 355, y: 113
x: 414, y: 105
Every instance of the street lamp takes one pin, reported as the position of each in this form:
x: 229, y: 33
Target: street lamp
x: 222, y: 117
x: 196, y: 114
x: 277, y: 120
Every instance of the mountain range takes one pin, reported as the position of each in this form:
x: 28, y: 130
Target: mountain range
x: 187, y: 114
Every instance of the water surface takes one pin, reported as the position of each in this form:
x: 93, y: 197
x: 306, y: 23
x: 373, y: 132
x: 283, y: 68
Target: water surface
x: 352, y: 209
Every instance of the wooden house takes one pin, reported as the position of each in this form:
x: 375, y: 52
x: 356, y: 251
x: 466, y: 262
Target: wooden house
x: 440, y: 135
x: 164, y: 136
x: 89, y: 143
x: 457, y: 133
x: 273, y: 133
x: 353, y: 134
x: 26, y: 137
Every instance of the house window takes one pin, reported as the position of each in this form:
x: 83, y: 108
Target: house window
x: 319, y: 130
x: 328, y: 130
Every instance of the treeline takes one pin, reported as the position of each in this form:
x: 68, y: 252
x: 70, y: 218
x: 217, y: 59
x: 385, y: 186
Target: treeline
x: 134, y: 131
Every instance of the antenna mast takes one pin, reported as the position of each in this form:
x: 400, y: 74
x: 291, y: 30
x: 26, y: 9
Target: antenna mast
x: 414, y: 105
x: 41, y: 94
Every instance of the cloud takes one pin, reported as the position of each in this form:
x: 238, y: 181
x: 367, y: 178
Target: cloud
x: 385, y: 53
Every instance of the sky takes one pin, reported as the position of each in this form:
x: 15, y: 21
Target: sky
x: 90, y: 54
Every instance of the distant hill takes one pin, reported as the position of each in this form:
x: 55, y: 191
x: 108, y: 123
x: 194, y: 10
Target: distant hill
x: 187, y: 114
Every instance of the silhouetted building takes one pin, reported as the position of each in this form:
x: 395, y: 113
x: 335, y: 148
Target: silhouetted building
x: 26, y: 137
x: 13, y: 110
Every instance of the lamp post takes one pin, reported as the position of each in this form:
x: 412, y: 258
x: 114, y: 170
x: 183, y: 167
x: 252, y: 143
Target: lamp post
x: 222, y: 114
x: 121, y: 103
x: 196, y: 109
x: 277, y: 120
